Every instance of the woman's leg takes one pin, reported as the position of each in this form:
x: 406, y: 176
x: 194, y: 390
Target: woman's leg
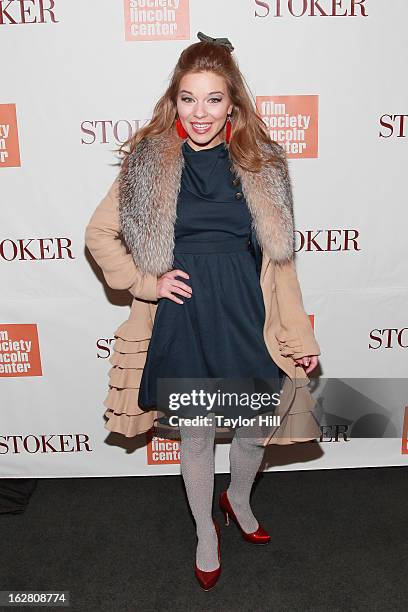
x: 245, y: 458
x: 197, y: 467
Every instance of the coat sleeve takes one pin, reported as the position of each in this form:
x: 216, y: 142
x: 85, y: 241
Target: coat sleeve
x: 295, y: 336
x: 102, y: 237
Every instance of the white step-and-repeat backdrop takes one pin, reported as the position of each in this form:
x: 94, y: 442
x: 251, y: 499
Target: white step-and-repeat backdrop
x: 77, y: 77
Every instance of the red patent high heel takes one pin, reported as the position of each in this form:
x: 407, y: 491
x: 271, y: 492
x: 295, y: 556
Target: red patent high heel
x: 208, y: 579
x: 260, y: 536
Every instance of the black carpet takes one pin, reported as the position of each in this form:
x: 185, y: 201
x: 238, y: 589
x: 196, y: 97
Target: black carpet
x: 339, y: 542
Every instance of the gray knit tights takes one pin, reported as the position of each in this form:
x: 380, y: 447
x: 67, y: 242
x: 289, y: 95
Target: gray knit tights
x: 197, y: 468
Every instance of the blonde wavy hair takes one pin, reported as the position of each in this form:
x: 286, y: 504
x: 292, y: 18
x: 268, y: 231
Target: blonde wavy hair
x: 248, y: 132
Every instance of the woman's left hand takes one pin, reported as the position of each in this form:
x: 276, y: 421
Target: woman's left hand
x: 308, y: 362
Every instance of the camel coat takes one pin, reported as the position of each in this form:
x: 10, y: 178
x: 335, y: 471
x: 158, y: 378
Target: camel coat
x: 132, y: 251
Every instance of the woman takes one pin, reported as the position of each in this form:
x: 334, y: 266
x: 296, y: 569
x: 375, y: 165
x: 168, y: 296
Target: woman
x: 203, y: 203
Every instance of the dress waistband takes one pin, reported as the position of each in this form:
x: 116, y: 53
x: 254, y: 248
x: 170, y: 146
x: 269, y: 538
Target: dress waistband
x: 230, y: 245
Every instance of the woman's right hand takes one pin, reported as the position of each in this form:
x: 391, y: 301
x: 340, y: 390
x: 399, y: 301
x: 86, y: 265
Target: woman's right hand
x: 167, y: 285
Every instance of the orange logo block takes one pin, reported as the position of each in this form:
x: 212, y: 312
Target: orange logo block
x: 404, y: 438
x: 161, y: 450
x: 19, y: 350
x: 9, y: 149
x: 157, y: 20
x: 292, y: 122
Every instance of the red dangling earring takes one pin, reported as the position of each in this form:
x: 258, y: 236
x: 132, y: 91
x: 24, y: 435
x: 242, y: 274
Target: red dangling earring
x: 228, y: 129
x: 180, y: 129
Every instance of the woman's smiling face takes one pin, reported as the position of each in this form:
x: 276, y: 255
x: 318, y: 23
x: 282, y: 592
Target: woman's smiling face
x: 202, y: 105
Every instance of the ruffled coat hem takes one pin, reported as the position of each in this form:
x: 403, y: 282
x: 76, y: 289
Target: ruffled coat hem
x: 123, y: 414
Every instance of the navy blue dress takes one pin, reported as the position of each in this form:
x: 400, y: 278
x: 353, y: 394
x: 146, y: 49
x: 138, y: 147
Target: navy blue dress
x: 215, y: 336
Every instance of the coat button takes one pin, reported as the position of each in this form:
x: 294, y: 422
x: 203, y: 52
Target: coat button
x: 235, y: 182
x: 238, y: 195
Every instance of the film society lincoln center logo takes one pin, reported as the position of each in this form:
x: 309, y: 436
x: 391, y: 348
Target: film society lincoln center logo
x: 161, y: 450
x: 157, y: 20
x: 9, y: 148
x: 292, y: 121
x: 19, y: 350
x: 404, y: 439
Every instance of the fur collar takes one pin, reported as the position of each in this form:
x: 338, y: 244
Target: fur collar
x: 148, y: 192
